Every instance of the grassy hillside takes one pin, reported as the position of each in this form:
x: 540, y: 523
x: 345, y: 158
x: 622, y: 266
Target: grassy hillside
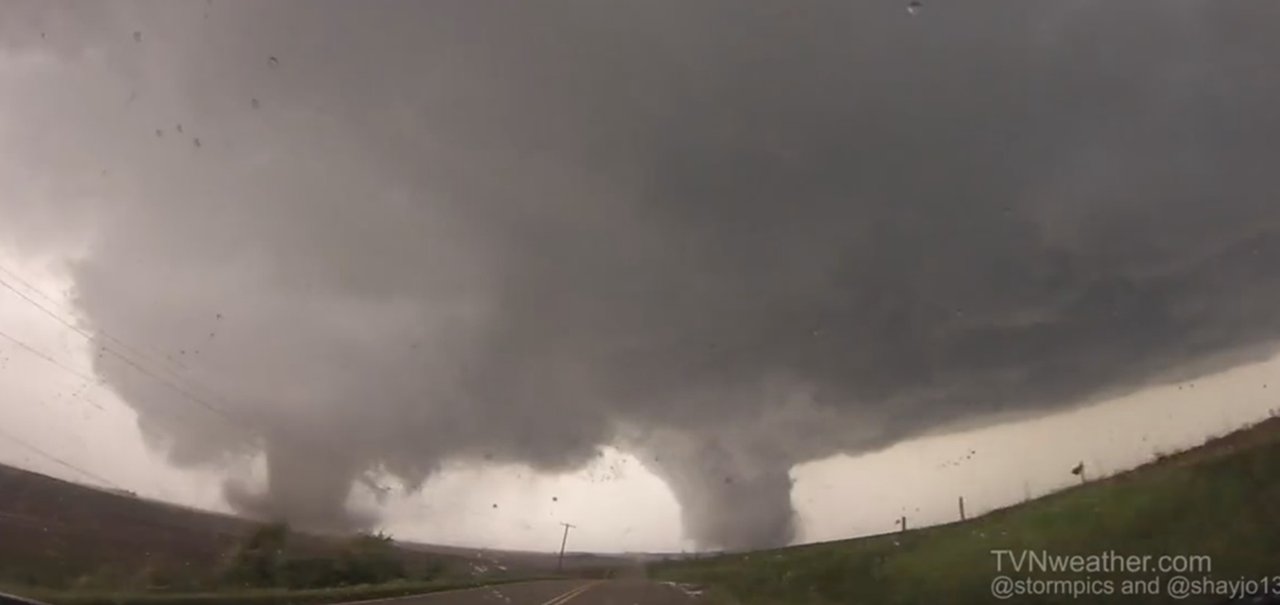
x: 58, y: 535
x: 1220, y: 500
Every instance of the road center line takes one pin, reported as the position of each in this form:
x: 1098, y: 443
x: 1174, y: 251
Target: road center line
x: 570, y: 594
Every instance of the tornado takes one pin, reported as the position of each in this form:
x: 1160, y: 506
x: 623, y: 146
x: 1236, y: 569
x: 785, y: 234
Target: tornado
x: 726, y: 237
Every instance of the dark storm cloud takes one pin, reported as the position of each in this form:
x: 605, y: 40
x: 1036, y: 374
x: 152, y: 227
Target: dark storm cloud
x: 733, y: 236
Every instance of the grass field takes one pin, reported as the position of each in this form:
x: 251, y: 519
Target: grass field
x: 62, y: 536
x: 259, y: 597
x: 1221, y: 500
x: 57, y: 534
x: 66, y: 543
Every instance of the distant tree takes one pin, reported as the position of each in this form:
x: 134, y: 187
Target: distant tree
x: 259, y: 559
x: 370, y: 559
x: 263, y: 561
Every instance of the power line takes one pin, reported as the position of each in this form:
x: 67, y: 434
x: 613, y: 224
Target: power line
x: 175, y: 381
x: 59, y: 319
x: 173, y: 384
x: 48, y: 358
x: 58, y: 460
x: 83, y: 376
x: 230, y: 418
x: 132, y: 363
x: 139, y: 351
x: 89, y: 380
x: 71, y: 326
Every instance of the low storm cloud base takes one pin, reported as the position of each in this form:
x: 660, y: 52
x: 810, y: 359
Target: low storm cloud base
x: 732, y: 237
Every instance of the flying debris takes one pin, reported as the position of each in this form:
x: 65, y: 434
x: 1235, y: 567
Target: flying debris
x: 584, y: 266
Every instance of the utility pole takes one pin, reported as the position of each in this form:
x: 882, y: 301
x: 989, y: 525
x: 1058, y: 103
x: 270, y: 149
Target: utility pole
x: 563, y: 541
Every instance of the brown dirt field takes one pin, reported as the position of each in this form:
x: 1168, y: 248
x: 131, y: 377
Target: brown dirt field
x: 55, y: 533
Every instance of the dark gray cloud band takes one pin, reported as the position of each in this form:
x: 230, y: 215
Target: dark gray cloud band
x: 733, y: 236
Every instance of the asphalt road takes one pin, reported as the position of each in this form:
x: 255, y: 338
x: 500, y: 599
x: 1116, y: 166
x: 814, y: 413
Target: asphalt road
x: 555, y: 592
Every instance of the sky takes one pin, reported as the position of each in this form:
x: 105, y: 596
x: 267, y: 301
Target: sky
x: 615, y: 503
x: 464, y: 270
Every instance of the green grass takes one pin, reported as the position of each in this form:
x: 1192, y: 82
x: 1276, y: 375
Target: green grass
x: 263, y: 596
x: 1221, y: 500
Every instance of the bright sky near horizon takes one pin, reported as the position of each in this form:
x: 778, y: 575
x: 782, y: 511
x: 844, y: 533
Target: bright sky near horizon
x: 616, y: 503
x: 685, y: 275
